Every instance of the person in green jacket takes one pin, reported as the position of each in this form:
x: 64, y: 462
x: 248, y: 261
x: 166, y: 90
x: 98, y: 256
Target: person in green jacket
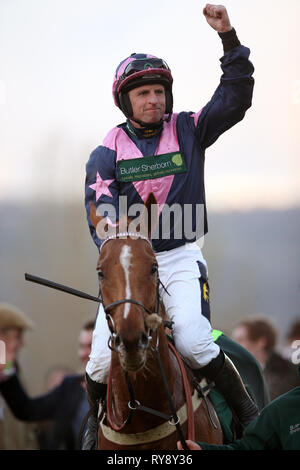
x: 276, y: 428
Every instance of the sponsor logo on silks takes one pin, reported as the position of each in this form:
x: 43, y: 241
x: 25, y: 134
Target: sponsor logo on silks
x: 147, y: 168
x: 294, y: 428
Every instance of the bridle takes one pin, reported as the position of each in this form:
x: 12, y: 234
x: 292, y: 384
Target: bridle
x: 133, y: 404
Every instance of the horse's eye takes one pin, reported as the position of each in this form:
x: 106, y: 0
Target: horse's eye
x: 154, y: 269
x: 100, y: 274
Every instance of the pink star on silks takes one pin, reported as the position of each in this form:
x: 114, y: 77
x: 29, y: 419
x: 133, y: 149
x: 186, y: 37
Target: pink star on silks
x: 101, y: 187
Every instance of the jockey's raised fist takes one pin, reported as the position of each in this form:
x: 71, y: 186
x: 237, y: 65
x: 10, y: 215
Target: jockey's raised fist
x: 217, y: 17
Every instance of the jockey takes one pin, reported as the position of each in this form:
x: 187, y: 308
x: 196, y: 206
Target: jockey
x: 175, y: 144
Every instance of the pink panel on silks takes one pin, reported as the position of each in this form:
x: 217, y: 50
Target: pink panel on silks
x: 118, y: 141
x: 196, y: 117
x: 125, y: 148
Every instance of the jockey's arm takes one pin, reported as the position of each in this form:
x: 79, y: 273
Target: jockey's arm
x: 233, y: 96
x: 101, y: 187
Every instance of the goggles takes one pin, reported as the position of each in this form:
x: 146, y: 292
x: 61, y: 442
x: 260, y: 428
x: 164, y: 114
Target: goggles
x: 139, y: 65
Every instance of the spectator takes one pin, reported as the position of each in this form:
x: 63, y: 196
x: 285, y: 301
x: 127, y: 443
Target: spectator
x: 53, y: 379
x: 292, y: 342
x: 66, y: 405
x: 259, y: 336
x: 276, y: 428
x: 14, y: 435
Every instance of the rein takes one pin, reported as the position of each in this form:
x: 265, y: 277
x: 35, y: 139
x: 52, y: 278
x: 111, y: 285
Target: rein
x: 133, y: 404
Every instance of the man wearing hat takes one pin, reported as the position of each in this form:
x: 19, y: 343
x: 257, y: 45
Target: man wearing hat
x: 14, y: 435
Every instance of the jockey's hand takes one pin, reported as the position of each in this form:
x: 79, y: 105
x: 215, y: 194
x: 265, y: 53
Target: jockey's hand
x: 217, y: 17
x: 191, y: 445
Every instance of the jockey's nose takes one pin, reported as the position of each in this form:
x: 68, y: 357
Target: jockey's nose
x: 152, y: 97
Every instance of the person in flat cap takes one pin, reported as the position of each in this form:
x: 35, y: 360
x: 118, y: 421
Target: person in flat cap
x: 13, y: 323
x: 14, y: 435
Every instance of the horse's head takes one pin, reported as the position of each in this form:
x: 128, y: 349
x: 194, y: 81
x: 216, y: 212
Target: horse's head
x: 128, y: 276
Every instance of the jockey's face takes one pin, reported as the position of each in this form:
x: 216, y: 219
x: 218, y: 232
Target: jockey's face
x: 148, y: 103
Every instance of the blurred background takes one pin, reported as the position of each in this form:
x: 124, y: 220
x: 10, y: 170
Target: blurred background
x: 57, y: 60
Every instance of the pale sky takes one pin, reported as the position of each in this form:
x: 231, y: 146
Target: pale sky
x: 57, y: 60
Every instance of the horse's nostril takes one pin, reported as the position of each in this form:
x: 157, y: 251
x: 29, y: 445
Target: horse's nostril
x: 144, y: 340
x: 118, y: 341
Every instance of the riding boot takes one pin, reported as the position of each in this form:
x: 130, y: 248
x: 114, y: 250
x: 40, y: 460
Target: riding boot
x: 96, y: 392
x: 223, y: 373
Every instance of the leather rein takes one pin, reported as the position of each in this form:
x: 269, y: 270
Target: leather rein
x: 133, y: 404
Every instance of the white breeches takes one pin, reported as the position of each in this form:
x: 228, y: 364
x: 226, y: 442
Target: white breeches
x: 179, y: 273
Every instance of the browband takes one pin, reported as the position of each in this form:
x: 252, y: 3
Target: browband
x: 125, y: 234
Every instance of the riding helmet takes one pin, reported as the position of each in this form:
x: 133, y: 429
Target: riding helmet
x: 138, y: 70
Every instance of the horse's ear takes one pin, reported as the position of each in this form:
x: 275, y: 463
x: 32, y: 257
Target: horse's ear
x: 103, y: 229
x: 149, y: 218
x: 95, y: 219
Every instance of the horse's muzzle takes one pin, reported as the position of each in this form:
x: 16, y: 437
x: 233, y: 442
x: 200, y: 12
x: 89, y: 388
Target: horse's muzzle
x: 132, y: 352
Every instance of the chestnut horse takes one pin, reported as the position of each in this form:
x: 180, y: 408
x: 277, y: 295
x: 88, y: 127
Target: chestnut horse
x: 151, y: 400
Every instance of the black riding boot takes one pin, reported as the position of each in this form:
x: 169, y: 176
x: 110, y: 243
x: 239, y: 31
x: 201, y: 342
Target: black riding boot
x: 95, y: 393
x: 223, y: 373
